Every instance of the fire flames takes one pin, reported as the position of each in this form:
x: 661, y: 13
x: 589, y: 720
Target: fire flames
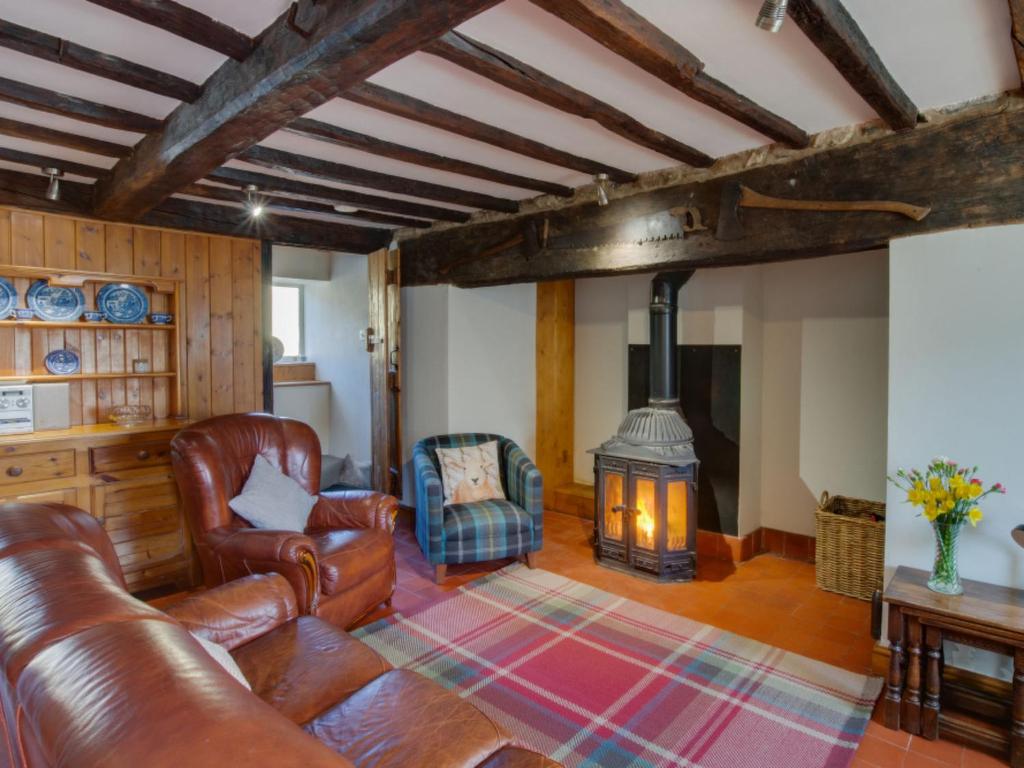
x: 645, y: 527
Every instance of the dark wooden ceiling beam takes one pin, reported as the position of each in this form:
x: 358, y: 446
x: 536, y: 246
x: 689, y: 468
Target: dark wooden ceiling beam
x: 184, y: 22
x: 291, y: 204
x: 51, y: 48
x: 288, y: 73
x: 506, y: 70
x: 324, y: 169
x: 267, y: 183
x: 25, y: 190
x: 965, y: 168
x: 45, y: 135
x: 71, y: 106
x: 622, y: 30
x: 315, y: 129
x: 1017, y: 33
x: 42, y: 161
x: 834, y: 32
x: 411, y: 108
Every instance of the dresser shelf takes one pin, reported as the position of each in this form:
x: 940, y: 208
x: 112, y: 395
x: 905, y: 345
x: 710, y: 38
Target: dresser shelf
x: 85, y: 326
x: 38, y: 378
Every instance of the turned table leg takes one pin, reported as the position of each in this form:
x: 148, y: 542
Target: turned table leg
x: 932, y: 683
x: 1017, y: 729
x: 911, y: 714
x: 894, y: 684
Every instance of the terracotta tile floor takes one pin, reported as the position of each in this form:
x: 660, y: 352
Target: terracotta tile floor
x: 768, y: 598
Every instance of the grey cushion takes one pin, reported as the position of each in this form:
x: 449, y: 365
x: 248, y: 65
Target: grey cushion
x: 221, y: 656
x: 270, y: 499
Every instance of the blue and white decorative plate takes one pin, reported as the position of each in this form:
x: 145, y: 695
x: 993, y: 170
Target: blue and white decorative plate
x: 8, y: 297
x: 55, y: 303
x: 62, y: 362
x: 122, y: 303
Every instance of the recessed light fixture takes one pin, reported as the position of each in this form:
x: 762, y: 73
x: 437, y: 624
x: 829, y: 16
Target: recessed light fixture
x: 252, y: 201
x: 773, y: 13
x: 345, y: 208
x: 53, y: 188
x: 602, y: 181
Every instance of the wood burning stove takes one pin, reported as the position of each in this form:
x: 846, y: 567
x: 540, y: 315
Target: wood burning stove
x: 645, y: 497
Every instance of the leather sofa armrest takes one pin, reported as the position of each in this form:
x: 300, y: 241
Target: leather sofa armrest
x: 239, y: 611
x: 243, y: 551
x: 353, y: 509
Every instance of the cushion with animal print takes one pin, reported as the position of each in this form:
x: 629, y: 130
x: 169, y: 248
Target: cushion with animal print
x: 470, y: 473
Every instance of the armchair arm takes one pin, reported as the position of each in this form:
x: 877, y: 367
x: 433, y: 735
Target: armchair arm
x: 243, y: 551
x: 353, y: 509
x: 526, y: 488
x: 238, y: 611
x: 429, y: 505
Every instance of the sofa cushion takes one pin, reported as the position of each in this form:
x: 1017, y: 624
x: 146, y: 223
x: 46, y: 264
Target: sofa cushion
x: 272, y: 500
x: 485, y: 530
x: 307, y: 666
x: 517, y: 757
x: 352, y: 556
x: 402, y: 718
x: 221, y: 656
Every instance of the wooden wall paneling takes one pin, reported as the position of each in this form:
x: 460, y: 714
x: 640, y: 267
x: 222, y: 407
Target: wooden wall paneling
x: 73, y: 341
x: 59, y: 243
x: 197, y: 290
x: 165, y: 353
x: 556, y: 351
x: 102, y: 352
x: 133, y: 390
x: 244, y: 265
x: 22, y: 351
x: 7, y: 351
x: 27, y: 239
x: 90, y: 246
x: 120, y: 249
x: 118, y: 387
x: 5, y: 237
x: 146, y: 253
x: 221, y: 327
x: 88, y: 388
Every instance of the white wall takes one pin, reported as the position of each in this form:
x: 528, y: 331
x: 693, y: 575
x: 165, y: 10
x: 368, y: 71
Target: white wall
x: 469, y: 364
x: 956, y: 362
x: 813, y: 377
x: 309, y: 403
x: 823, y: 393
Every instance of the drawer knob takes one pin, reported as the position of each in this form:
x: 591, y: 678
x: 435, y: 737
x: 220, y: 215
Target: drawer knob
x: 14, y: 471
x: 142, y: 455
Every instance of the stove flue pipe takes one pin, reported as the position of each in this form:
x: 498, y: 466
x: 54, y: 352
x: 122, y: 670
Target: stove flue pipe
x: 664, y: 378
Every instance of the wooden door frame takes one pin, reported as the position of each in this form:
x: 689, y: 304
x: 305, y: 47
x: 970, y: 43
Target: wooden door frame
x: 385, y: 370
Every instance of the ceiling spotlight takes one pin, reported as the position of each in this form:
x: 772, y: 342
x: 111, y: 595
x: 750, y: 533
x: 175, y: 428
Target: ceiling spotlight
x: 345, y: 208
x: 772, y: 14
x: 603, y: 182
x: 53, y: 188
x: 252, y: 201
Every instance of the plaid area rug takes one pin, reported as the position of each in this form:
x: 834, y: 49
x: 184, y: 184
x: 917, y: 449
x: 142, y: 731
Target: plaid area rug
x: 593, y: 679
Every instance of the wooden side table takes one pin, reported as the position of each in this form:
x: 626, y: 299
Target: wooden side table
x: 984, y: 616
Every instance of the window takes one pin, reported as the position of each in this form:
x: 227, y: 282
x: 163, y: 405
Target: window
x: 287, y: 320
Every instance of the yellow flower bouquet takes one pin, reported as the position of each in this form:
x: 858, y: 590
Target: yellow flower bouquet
x: 948, y: 496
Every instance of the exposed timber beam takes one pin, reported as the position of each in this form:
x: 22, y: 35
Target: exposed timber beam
x: 291, y: 204
x: 966, y: 167
x: 276, y: 159
x: 834, y: 32
x: 42, y: 161
x: 79, y: 57
x: 184, y: 22
x: 45, y: 135
x: 619, y: 28
x: 1017, y: 33
x: 74, y: 107
x: 501, y: 68
x: 315, y: 129
x: 411, y: 108
x: 25, y: 190
x: 268, y: 183
x: 287, y: 74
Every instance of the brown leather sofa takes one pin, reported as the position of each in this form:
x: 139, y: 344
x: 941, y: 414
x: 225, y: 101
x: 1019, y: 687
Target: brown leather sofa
x: 341, y: 567
x: 93, y: 677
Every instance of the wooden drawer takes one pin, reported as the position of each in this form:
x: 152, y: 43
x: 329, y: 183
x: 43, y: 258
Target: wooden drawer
x: 131, y: 456
x: 30, y: 467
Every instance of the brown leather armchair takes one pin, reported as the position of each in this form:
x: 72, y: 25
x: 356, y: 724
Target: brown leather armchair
x: 341, y: 566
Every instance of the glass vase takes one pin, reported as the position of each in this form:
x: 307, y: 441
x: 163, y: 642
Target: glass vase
x: 945, y: 576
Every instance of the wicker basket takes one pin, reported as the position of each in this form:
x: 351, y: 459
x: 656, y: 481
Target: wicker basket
x: 850, y: 546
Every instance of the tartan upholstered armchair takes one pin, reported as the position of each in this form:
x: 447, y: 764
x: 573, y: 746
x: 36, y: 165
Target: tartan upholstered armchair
x: 479, y: 530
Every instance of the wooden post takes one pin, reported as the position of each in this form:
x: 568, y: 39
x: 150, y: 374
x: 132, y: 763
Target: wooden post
x: 911, y: 714
x: 932, y: 683
x: 894, y: 684
x: 556, y: 353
